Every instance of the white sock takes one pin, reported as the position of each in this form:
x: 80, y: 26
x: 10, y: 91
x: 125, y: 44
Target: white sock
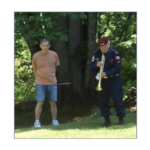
x: 36, y: 120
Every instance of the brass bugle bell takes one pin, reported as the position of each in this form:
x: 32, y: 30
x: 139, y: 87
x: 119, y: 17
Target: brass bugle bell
x: 98, y: 88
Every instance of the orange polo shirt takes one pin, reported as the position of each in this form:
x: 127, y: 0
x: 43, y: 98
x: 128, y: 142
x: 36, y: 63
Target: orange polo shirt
x: 45, y: 67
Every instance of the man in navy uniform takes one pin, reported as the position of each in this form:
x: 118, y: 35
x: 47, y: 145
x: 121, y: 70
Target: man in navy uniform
x: 110, y: 81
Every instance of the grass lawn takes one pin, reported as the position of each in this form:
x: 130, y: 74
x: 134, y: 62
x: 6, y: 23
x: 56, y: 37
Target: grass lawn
x: 87, y: 127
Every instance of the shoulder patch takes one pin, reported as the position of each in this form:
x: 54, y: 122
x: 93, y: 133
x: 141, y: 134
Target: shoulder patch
x: 93, y: 58
x: 117, y: 57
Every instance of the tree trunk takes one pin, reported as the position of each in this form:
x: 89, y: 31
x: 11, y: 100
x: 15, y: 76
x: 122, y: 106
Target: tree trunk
x: 75, y: 67
x: 89, y: 76
x: 63, y: 74
x: 33, y: 49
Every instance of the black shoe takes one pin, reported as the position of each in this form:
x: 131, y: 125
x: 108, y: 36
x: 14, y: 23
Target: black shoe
x: 121, y: 121
x: 107, y: 122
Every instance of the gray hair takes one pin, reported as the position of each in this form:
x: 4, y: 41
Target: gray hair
x: 108, y: 42
x: 44, y: 40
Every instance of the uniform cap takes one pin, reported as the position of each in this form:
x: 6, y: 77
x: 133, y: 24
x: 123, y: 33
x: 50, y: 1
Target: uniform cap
x: 102, y: 41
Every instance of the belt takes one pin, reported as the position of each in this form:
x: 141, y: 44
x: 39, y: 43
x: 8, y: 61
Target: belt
x: 110, y: 76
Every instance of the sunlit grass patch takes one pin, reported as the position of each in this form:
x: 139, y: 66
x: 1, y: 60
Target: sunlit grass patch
x: 86, y: 128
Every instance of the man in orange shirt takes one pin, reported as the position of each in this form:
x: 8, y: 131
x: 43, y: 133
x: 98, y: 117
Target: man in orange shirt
x: 44, y: 65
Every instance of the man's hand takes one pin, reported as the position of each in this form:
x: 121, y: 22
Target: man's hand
x: 103, y: 74
x: 99, y: 64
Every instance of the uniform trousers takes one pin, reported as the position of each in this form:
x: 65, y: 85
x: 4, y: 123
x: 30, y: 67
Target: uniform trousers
x: 111, y: 87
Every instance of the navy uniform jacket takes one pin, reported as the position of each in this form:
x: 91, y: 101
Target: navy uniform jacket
x: 112, y: 64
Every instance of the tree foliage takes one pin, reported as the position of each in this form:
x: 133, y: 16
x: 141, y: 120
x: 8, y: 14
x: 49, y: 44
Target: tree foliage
x: 60, y: 28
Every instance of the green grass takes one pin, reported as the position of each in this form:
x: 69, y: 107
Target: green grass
x: 88, y: 127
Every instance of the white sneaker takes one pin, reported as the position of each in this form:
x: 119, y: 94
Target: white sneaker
x: 55, y: 123
x: 37, y: 125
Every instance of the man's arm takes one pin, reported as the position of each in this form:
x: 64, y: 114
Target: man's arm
x: 34, y: 65
x: 116, y: 66
x: 93, y: 63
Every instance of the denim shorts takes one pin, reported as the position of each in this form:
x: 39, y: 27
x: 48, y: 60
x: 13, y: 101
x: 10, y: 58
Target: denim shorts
x: 41, y: 91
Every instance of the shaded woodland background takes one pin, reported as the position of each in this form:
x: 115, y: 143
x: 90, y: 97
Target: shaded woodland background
x: 74, y: 37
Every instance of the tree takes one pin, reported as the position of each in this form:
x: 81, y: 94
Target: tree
x: 63, y: 73
x: 73, y: 36
x: 92, y: 27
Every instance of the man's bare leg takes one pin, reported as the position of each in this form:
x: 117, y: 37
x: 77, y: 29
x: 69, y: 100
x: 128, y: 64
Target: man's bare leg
x: 38, y: 110
x: 53, y: 110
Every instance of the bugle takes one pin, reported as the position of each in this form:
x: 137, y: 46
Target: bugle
x: 98, y: 88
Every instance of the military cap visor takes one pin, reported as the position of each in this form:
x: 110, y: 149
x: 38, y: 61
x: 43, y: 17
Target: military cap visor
x: 102, y: 41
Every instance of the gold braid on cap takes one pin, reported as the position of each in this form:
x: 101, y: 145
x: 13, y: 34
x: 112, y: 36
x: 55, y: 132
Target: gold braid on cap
x: 102, y: 44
